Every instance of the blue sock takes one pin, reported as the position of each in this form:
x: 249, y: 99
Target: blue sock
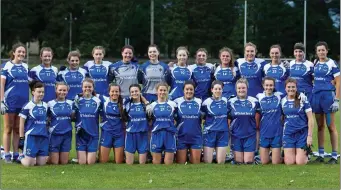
x: 334, y: 154
x: 321, y: 152
x: 15, y: 155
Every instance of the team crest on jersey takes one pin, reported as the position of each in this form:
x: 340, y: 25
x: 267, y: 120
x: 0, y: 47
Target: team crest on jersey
x: 153, y: 146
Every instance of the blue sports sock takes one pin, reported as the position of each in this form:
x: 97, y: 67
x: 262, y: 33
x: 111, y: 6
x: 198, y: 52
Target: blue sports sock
x: 334, y: 154
x: 321, y: 152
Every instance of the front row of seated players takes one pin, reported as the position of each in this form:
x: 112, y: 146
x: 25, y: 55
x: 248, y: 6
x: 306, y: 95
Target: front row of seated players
x: 176, y: 125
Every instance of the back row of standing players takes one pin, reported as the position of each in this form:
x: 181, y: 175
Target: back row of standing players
x: 322, y: 94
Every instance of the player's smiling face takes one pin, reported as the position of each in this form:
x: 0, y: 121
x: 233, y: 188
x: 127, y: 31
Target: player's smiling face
x: 127, y: 55
x: 241, y: 90
x: 182, y: 56
x: 162, y: 92
x: 250, y: 53
x: 321, y: 52
x: 275, y: 55
x: 299, y: 54
x: 87, y: 88
x: 217, y: 91
x: 225, y: 58
x: 153, y: 53
x: 98, y: 55
x: 74, y: 62
x: 114, y: 93
x: 19, y: 54
x: 201, y: 57
x: 269, y: 86
x: 46, y: 57
x: 61, y: 92
x: 38, y: 94
x: 291, y: 89
x: 135, y: 93
x: 189, y: 91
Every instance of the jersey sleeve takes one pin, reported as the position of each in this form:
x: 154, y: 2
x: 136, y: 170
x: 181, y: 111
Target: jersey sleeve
x: 335, y: 70
x: 32, y: 74
x: 307, y: 107
x: 24, y: 112
x: 60, y: 77
x: 140, y: 75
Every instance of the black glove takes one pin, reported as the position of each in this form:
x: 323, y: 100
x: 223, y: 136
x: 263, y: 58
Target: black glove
x: 308, y: 149
x: 62, y: 68
x: 21, y: 143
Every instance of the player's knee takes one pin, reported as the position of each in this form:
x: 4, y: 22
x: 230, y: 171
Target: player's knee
x: 289, y: 161
x: 301, y: 161
x: 8, y: 130
x: 320, y: 127
x: 332, y: 128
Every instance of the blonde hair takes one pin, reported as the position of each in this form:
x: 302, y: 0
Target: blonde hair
x: 250, y: 44
x: 203, y: 50
x: 98, y: 47
x: 45, y: 49
x: 158, y: 85
x: 182, y: 48
x: 75, y: 53
x: 61, y: 83
x: 242, y: 81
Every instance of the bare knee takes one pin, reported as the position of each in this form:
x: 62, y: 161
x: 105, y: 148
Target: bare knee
x: 289, y: 161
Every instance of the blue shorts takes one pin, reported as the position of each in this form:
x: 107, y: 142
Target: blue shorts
x: 109, y: 140
x: 183, y: 144
x: 86, y: 142
x: 214, y: 139
x: 36, y: 146
x: 163, y: 141
x: 136, y: 142
x: 247, y: 144
x: 13, y: 110
x: 150, y: 97
x: 296, y: 140
x: 274, y: 142
x: 322, y: 101
x: 60, y: 143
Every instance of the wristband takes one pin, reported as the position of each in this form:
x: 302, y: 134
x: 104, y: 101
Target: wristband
x: 22, y: 138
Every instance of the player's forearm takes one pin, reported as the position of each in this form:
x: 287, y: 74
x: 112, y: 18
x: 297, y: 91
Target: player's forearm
x: 21, y: 127
x: 337, y: 87
x: 310, y: 124
x: 2, y: 89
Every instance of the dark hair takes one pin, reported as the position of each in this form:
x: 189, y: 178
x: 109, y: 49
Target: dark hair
x: 268, y: 78
x: 15, y: 47
x: 321, y: 43
x: 231, y: 64
x: 299, y: 46
x: 276, y: 46
x: 297, y: 100
x: 74, y: 53
x: 120, y: 100
x: 203, y: 50
x: 189, y: 82
x: 35, y: 84
x: 89, y: 80
x: 217, y: 82
x: 127, y: 47
x: 154, y: 45
x: 130, y: 101
x: 45, y: 49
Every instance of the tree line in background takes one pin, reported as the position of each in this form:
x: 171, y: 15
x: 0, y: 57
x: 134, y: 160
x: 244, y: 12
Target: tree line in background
x: 193, y: 23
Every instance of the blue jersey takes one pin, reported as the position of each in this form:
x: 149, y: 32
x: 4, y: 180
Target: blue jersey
x: 202, y: 77
x: 324, y: 73
x: 163, y: 116
x: 48, y: 76
x: 279, y: 73
x: 150, y: 74
x: 253, y: 72
x: 74, y: 79
x: 216, y: 112
x: 16, y: 91
x: 303, y: 73
x: 177, y: 78
x: 243, y: 112
x: 228, y: 76
x: 111, y: 117
x: 295, y: 119
x: 137, y: 117
x: 124, y: 74
x: 87, y: 114
x: 36, y: 116
x: 271, y: 124
x: 60, y: 115
x: 188, y: 119
x: 99, y: 74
